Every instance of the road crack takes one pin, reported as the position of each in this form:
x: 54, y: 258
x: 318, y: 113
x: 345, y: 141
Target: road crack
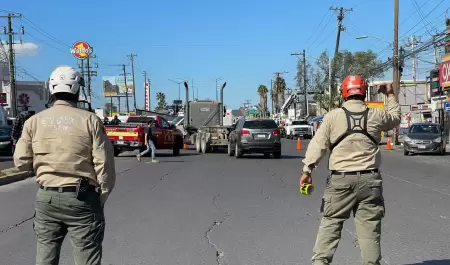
x: 16, y: 225
x: 220, y: 255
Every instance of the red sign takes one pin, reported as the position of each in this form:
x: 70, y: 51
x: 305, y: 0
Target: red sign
x: 81, y: 50
x: 2, y: 98
x: 24, y: 99
x: 444, y: 74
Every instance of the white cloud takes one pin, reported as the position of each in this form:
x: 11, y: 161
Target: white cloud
x: 23, y: 49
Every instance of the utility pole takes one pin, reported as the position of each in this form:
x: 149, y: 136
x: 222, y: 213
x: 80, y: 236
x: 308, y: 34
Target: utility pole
x: 126, y: 87
x: 131, y: 55
x: 340, y: 28
x: 87, y: 73
x: 395, y: 62
x: 412, y: 42
x: 435, y: 52
x: 305, y: 95
x: 12, y: 72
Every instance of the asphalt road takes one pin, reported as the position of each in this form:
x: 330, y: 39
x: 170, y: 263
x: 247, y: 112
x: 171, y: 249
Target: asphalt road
x: 213, y: 209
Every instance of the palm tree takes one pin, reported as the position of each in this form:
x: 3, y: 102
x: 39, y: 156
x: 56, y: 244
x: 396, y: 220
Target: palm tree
x: 274, y: 99
x: 161, y: 101
x: 280, y: 89
x: 262, y: 91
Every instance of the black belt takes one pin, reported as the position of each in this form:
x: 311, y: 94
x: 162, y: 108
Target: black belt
x: 334, y: 172
x: 67, y: 189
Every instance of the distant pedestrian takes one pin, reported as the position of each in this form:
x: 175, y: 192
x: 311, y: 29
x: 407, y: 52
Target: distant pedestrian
x: 150, y: 142
x: 73, y: 160
x: 352, y: 133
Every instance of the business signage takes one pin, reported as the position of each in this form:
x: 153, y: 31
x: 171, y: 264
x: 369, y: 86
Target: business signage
x: 81, y: 50
x: 444, y: 72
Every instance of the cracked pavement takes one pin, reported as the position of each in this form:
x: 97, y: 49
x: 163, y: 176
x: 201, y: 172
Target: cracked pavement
x: 214, y: 209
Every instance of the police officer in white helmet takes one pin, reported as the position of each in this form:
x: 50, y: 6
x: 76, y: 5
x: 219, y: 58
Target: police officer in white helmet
x: 73, y: 160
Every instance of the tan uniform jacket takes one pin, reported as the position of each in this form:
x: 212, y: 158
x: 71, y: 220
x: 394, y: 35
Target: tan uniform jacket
x: 356, y: 152
x: 64, y: 143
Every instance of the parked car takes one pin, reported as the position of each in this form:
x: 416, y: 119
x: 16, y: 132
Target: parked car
x: 6, y: 142
x: 425, y: 138
x: 253, y: 135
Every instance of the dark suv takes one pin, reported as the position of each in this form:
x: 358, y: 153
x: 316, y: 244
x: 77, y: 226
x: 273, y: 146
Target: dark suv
x: 255, y: 136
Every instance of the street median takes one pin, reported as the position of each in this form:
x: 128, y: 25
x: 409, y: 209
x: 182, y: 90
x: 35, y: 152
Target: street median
x: 13, y: 174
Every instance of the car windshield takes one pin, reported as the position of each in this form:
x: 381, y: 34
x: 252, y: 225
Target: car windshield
x: 5, y: 132
x: 260, y: 124
x: 177, y: 119
x: 140, y: 119
x: 431, y: 129
x: 300, y: 123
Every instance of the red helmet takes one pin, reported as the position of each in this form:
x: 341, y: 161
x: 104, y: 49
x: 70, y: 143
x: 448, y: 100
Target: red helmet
x: 354, y: 85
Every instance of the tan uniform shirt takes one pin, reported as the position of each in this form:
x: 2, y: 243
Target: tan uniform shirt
x: 62, y: 144
x: 356, y: 152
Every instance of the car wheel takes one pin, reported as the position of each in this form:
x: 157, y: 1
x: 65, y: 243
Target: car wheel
x: 237, y: 152
x: 405, y: 152
x: 267, y: 155
x: 116, y: 151
x: 230, y: 152
x: 277, y: 154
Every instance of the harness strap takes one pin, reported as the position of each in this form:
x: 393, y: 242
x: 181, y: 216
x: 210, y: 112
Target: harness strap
x: 356, y: 123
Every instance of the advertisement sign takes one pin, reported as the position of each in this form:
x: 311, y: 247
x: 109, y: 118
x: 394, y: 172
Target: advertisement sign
x: 114, y: 86
x: 444, y: 72
x: 81, y: 50
x: 3, y: 99
x: 375, y: 104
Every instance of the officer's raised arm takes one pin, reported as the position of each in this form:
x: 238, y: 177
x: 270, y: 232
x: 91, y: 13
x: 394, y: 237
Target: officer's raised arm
x: 392, y: 116
x: 318, y: 146
x: 23, y: 155
x: 103, y: 158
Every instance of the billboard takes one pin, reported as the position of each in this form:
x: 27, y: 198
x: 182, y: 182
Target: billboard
x: 444, y: 72
x: 114, y: 86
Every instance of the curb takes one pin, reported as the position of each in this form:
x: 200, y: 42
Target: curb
x: 11, y: 175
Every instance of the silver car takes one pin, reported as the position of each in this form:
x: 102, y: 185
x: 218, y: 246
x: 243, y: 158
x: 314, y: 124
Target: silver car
x: 252, y: 135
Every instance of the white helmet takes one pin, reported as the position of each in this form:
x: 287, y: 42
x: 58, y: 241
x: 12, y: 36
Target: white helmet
x: 65, y: 79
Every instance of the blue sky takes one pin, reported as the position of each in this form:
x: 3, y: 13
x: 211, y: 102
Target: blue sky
x: 244, y: 42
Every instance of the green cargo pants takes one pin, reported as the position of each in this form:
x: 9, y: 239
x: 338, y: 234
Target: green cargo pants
x: 361, y: 194
x: 61, y: 213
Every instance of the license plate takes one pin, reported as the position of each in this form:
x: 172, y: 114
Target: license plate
x: 214, y: 138
x: 421, y: 146
x: 120, y: 142
x: 261, y: 136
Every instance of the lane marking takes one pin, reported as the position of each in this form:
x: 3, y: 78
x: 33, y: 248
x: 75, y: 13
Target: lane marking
x: 416, y: 184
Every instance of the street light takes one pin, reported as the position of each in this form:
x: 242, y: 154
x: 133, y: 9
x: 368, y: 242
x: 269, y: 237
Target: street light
x: 217, y: 88
x: 373, y: 37
x: 179, y: 89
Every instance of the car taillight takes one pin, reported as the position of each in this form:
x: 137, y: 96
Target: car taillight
x: 243, y: 131
x: 276, y: 132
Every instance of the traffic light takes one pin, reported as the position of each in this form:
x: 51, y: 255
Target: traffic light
x: 435, y: 89
x: 447, y: 36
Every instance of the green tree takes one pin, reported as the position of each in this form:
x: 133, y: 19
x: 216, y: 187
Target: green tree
x: 262, y: 92
x: 363, y: 63
x: 161, y: 101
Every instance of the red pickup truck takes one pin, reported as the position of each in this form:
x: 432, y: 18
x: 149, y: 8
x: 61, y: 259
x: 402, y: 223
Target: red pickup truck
x: 130, y: 136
